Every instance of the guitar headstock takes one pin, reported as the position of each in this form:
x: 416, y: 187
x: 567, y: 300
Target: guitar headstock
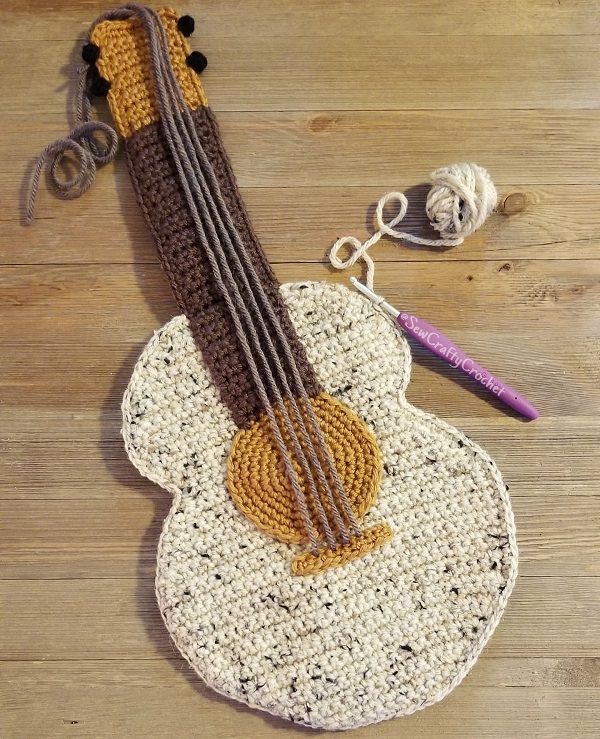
x: 123, y: 61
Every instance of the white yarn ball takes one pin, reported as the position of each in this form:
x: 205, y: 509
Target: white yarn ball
x: 461, y: 198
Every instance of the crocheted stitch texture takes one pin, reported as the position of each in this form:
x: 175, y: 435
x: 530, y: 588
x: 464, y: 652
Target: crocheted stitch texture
x: 258, y: 483
x: 162, y: 201
x: 125, y: 62
x: 382, y: 636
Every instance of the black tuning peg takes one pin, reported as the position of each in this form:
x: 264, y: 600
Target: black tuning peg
x: 90, y: 53
x: 98, y: 85
x: 197, y: 61
x: 186, y: 25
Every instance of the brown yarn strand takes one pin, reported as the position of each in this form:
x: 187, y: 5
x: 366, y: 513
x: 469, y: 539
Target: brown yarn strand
x: 81, y: 141
x: 171, y: 88
x: 248, y: 268
x: 211, y: 219
x: 83, y: 180
x: 89, y: 152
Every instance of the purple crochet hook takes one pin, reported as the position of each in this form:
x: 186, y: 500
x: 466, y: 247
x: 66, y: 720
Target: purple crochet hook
x: 442, y: 347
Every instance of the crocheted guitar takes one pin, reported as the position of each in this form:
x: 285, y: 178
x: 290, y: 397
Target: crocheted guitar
x: 332, y: 555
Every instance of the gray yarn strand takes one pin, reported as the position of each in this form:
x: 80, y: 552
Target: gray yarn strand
x: 211, y: 219
x: 232, y: 288
x: 291, y: 400
x: 89, y: 153
x: 81, y: 141
x: 245, y: 269
x: 248, y: 268
x: 233, y: 300
x: 180, y: 105
x: 206, y: 211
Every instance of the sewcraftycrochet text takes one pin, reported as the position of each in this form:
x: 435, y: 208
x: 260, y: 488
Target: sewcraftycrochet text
x: 456, y: 358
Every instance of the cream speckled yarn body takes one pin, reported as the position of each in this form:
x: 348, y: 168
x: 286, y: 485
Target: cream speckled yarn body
x: 379, y: 637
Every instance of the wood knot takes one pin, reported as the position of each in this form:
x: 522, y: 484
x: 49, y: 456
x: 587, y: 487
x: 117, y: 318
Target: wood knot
x: 513, y: 203
x: 321, y: 123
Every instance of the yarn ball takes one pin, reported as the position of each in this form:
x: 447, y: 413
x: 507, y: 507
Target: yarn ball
x: 197, y: 61
x: 461, y: 198
x: 186, y: 25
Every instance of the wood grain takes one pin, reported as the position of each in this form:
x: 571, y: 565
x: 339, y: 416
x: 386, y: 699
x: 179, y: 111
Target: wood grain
x: 387, y: 20
x: 370, y: 148
x: 71, y: 693
x: 42, y: 538
x: 298, y: 224
x: 340, y: 73
x: 323, y: 108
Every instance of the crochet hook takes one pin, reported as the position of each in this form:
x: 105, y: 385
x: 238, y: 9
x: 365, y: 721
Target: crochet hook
x: 447, y: 350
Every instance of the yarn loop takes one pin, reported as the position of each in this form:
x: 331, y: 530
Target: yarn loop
x: 88, y: 150
x: 461, y: 198
x: 82, y: 142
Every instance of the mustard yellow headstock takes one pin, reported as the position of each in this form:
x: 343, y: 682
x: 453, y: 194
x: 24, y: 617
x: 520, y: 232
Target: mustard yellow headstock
x: 125, y: 62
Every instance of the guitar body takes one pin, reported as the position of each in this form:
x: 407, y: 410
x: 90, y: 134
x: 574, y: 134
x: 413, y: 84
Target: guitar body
x: 332, y: 554
x: 381, y: 636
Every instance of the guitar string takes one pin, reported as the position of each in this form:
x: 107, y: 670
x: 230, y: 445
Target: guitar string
x: 212, y: 190
x: 83, y: 180
x: 227, y: 284
x: 215, y: 216
x: 276, y: 369
x: 245, y: 269
x: 83, y: 144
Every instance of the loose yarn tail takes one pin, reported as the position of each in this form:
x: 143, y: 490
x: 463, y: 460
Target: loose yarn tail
x: 89, y: 150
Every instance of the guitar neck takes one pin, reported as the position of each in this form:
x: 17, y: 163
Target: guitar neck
x: 125, y: 62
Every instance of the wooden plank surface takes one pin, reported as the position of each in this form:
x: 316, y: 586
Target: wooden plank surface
x: 323, y: 108
x: 297, y: 223
x: 42, y: 538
